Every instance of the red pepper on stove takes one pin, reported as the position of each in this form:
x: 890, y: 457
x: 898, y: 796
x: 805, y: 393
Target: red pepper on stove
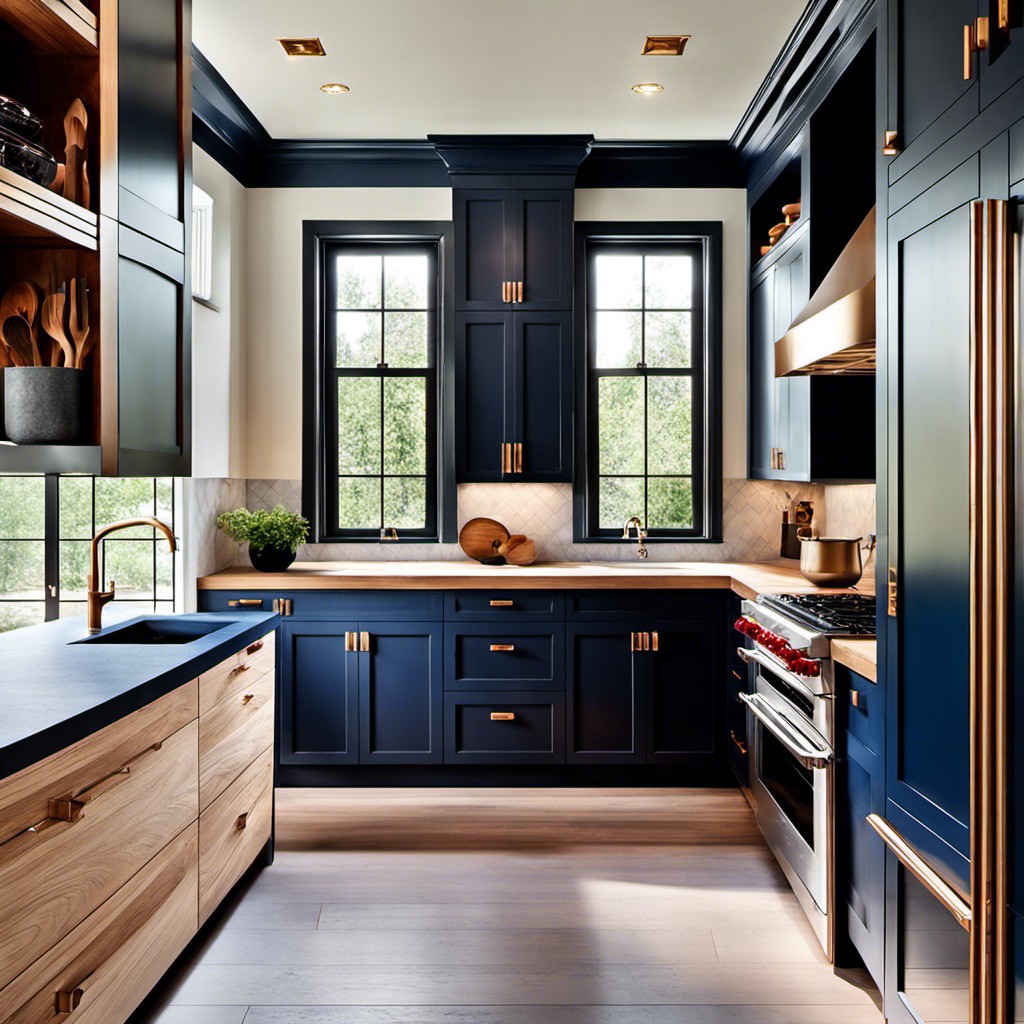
x: 779, y: 646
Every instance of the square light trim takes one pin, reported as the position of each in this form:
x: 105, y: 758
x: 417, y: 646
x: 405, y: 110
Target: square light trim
x: 303, y: 47
x: 664, y: 46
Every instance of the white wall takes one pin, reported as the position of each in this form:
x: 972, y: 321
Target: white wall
x: 273, y: 417
x: 218, y: 336
x: 274, y: 280
x: 729, y: 206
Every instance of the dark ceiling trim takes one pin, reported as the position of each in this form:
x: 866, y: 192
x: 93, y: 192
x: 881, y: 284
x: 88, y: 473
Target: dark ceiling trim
x: 231, y: 133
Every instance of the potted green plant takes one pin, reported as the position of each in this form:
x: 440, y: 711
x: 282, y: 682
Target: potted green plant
x: 273, y: 535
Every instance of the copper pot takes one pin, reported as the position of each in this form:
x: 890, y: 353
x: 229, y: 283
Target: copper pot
x: 831, y: 561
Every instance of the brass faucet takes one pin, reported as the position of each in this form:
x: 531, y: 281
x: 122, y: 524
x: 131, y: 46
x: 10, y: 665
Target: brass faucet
x: 641, y: 535
x: 97, y: 597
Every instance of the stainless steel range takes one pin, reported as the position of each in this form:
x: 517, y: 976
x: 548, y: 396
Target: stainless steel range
x: 791, y: 727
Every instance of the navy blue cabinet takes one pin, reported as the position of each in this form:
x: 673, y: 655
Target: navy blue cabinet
x: 513, y: 237
x: 319, y: 694
x: 400, y: 693
x: 513, y: 387
x: 504, y: 728
x: 506, y: 655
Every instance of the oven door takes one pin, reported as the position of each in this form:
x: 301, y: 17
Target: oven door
x: 790, y: 782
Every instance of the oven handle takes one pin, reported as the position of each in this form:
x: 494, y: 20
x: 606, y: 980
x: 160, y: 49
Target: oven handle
x: 809, y: 755
x: 757, y: 658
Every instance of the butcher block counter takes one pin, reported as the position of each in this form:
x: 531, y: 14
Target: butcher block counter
x: 747, y: 579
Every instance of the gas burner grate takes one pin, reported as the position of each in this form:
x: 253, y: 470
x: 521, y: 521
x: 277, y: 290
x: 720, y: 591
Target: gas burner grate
x: 849, y: 614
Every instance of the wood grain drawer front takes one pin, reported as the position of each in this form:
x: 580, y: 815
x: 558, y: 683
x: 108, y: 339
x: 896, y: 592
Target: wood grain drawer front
x: 53, y: 878
x: 504, y: 728
x: 235, y: 674
x: 516, y: 605
x: 25, y: 796
x: 233, y: 830
x: 101, y: 971
x: 232, y: 735
x: 505, y: 656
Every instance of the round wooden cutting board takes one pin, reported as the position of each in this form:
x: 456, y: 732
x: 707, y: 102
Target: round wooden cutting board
x: 480, y: 538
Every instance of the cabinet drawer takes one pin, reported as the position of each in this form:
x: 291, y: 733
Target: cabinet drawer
x: 516, y: 605
x: 233, y: 830
x: 106, y: 965
x: 232, y: 734
x: 235, y: 674
x: 478, y: 729
x: 605, y: 605
x: 864, y: 718
x: 379, y: 605
x: 504, y: 656
x: 54, y: 877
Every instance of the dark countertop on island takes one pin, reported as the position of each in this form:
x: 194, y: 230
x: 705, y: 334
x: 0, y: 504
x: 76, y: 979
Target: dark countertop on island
x: 55, y: 692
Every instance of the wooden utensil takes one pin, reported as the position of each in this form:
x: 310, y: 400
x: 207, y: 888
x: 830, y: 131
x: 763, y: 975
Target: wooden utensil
x: 22, y: 301
x: 53, y: 324
x: 18, y: 336
x: 524, y: 553
x: 78, y: 321
x: 75, y: 124
x: 480, y: 538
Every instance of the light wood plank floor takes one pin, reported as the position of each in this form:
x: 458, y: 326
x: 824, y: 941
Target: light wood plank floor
x: 539, y: 906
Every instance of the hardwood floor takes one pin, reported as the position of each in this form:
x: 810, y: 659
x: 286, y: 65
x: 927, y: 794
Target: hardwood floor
x: 514, y: 907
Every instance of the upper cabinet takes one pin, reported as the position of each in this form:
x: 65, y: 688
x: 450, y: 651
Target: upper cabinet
x: 804, y: 207
x: 109, y: 86
x: 513, y: 248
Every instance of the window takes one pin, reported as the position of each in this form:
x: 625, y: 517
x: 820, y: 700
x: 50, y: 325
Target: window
x: 648, y: 419
x: 46, y: 523
x: 202, y: 245
x: 377, y: 355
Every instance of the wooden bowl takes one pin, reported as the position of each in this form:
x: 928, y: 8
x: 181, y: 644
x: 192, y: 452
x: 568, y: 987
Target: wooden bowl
x: 791, y: 211
x: 765, y: 249
x: 480, y: 538
x: 524, y: 553
x: 775, y: 233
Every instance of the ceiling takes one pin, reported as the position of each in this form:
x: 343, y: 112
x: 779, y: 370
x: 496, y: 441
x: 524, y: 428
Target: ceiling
x: 484, y: 67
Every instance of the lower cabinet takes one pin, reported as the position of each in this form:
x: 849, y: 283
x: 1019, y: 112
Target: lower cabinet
x: 504, y: 728
x: 342, y: 705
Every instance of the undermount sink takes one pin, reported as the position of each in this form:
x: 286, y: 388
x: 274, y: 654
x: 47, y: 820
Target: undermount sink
x: 149, y: 631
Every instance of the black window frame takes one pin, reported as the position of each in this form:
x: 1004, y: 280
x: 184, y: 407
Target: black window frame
x: 320, y: 376
x: 704, y: 239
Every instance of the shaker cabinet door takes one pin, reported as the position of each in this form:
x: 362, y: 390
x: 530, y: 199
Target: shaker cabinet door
x: 543, y: 248
x: 484, y: 253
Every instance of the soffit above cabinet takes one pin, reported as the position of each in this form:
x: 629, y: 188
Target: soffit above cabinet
x: 461, y: 66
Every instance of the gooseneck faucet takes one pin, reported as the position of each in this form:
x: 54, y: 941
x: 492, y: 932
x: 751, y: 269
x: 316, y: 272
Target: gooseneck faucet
x: 97, y: 596
x: 641, y: 535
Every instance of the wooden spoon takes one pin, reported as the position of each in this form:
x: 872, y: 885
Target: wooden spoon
x: 22, y: 301
x: 53, y: 324
x: 18, y: 336
x: 75, y: 123
x: 78, y: 321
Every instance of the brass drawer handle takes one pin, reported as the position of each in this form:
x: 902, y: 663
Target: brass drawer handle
x: 247, y: 697
x: 855, y: 698
x: 503, y: 647
x: 282, y: 605
x: 246, y: 602
x: 238, y: 670
x: 518, y: 457
x: 519, y: 291
x: 241, y: 821
x: 254, y: 648
x: 66, y: 1001
x: 503, y: 716
x: 495, y: 603
x: 736, y: 675
x: 70, y: 808
x: 740, y: 745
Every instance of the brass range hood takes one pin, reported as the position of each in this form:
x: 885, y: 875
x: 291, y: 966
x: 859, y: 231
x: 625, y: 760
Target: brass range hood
x: 835, y: 331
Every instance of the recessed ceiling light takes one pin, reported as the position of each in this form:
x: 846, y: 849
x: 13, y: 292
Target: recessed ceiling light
x: 334, y: 88
x: 304, y: 47
x: 648, y: 88
x: 664, y: 46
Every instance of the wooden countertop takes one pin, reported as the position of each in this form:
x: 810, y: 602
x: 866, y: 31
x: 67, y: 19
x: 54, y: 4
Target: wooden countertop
x: 859, y: 655
x: 748, y: 579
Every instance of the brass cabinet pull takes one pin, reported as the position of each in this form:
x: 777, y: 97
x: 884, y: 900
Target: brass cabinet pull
x: 504, y: 291
x: 633, y: 641
x: 975, y: 40
x: 351, y: 643
x: 520, y: 293
x: 654, y: 640
x: 646, y: 640
x: 246, y: 602
x: 364, y: 642
x: 741, y: 746
x: 891, y: 145
x: 254, y: 648
x: 241, y: 821
x: 506, y: 458
x: 66, y: 1001
x: 922, y: 871
x: 892, y: 604
x: 518, y: 465
x: 238, y: 670
x: 503, y: 647
x: 855, y: 698
x: 501, y: 603
x: 736, y: 675
x: 282, y: 605
x: 246, y: 697
x: 503, y: 716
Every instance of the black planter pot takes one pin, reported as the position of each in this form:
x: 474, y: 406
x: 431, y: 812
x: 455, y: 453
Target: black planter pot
x: 271, y: 559
x: 45, y: 404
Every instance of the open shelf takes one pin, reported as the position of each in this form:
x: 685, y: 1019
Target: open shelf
x: 766, y: 211
x: 29, y: 211
x: 56, y: 27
